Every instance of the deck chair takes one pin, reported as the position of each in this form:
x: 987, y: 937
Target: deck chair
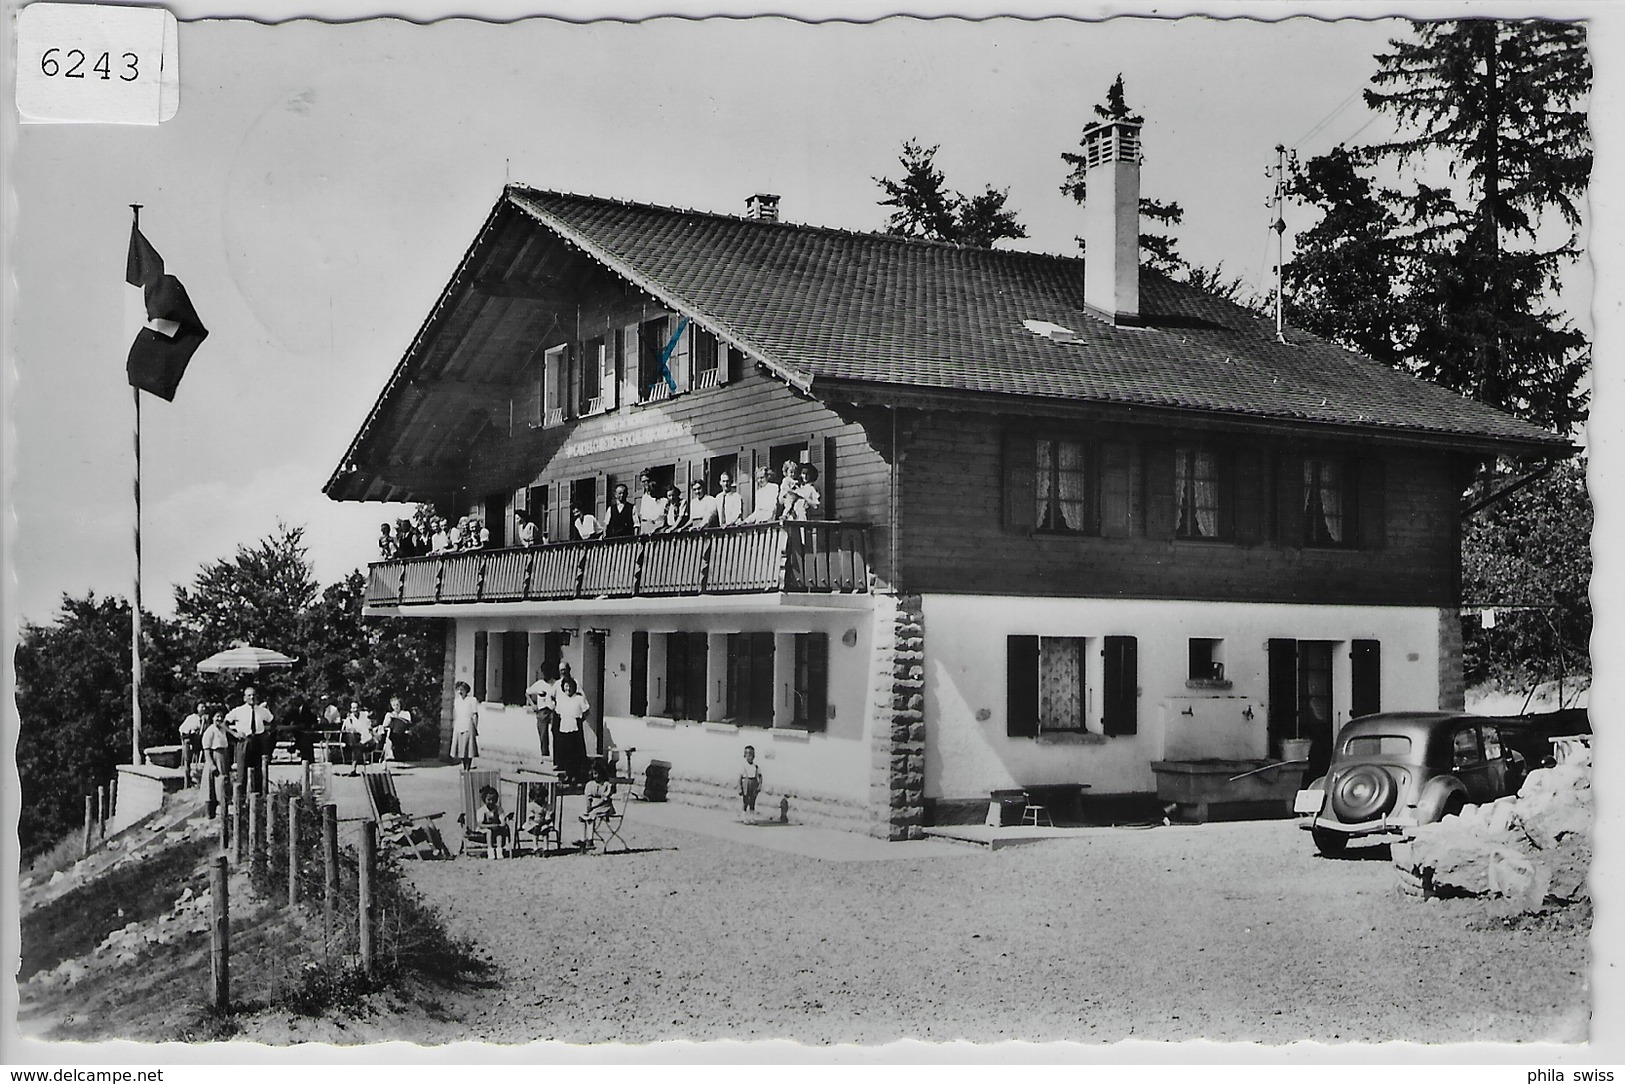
x: 536, y: 838
x: 414, y: 835
x: 602, y: 827
x: 475, y: 837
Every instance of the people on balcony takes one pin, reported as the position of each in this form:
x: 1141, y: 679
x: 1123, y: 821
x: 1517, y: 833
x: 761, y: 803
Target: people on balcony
x: 651, y: 507
x: 476, y: 536
x: 440, y: 539
x: 583, y: 524
x: 767, y: 497
x: 529, y: 534
x: 801, y: 500
x: 730, y: 503
x: 620, y: 518
x: 676, y: 511
x: 702, y: 510
x: 387, y: 547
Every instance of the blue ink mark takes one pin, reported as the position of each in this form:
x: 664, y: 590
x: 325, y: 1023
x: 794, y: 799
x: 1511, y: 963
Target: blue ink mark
x: 665, y: 355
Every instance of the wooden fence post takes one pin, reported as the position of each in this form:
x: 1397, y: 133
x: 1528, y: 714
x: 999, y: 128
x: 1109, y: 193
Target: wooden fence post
x: 305, y: 786
x: 112, y: 797
x: 239, y: 830
x: 256, y: 830
x: 101, y: 812
x: 293, y: 848
x: 265, y: 774
x: 223, y: 810
x: 330, y: 858
x: 220, y: 935
x: 368, y: 868
x: 90, y: 823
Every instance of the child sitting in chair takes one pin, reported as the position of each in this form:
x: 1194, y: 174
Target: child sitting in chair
x: 600, y: 801
x: 492, y: 822
x: 538, y: 811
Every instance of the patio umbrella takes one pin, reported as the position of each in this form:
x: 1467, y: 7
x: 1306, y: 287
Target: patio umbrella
x: 244, y: 659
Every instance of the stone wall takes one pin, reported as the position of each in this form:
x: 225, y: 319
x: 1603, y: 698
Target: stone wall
x: 897, y: 775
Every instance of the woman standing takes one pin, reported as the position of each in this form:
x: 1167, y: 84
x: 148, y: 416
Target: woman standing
x: 767, y: 498
x: 570, y: 751
x: 465, y: 726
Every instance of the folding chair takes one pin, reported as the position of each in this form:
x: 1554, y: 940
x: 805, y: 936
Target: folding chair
x: 474, y: 835
x: 530, y: 791
x: 600, y: 828
x: 416, y: 835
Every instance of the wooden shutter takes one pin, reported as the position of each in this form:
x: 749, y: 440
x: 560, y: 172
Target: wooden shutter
x: 629, y: 364
x: 1249, y: 497
x: 1160, y: 519
x: 1372, y: 501
x: 1365, y: 678
x: 1021, y: 678
x: 609, y: 379
x: 826, y: 483
x: 481, y: 647
x: 677, y: 364
x: 575, y: 359
x: 640, y: 673
x: 1289, y: 499
x: 1116, y: 502
x: 694, y: 679
x: 727, y: 358
x: 817, y: 679
x: 1020, y: 481
x: 1120, y: 692
x: 1283, y: 686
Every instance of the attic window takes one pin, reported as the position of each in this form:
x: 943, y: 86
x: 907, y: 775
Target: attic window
x: 1046, y: 330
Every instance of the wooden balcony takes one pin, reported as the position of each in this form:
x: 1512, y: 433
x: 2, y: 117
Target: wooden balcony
x: 799, y: 557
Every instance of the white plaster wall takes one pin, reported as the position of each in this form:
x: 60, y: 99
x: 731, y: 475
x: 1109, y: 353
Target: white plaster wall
x: 967, y: 751
x: 832, y: 764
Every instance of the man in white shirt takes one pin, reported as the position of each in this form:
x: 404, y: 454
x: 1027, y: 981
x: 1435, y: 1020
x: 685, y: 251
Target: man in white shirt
x: 651, y: 508
x: 539, y: 695
x: 702, y: 510
x: 250, y: 723
x: 192, y: 738
x: 730, y: 503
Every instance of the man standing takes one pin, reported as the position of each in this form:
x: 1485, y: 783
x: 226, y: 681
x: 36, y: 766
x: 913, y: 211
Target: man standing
x: 730, y: 505
x: 539, y: 695
x: 250, y: 723
x: 192, y: 739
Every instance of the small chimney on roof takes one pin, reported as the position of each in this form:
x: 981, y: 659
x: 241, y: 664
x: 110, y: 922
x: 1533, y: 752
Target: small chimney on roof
x: 1111, y: 221
x: 762, y: 207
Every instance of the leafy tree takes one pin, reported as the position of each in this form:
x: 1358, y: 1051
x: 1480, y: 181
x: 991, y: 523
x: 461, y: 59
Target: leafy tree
x: 1531, y: 550
x: 926, y: 208
x: 1469, y: 265
x: 1344, y: 282
x: 256, y: 596
x: 73, y: 706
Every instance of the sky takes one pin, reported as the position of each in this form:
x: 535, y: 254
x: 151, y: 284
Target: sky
x: 320, y: 182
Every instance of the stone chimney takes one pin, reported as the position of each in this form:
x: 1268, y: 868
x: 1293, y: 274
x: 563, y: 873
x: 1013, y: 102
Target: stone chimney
x: 1111, y: 221
x: 762, y: 207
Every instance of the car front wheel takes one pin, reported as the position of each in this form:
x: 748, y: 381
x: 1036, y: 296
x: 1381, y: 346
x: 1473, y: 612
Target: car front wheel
x: 1329, y: 843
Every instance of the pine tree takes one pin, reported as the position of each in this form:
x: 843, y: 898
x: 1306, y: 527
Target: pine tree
x: 1470, y: 263
x: 926, y: 208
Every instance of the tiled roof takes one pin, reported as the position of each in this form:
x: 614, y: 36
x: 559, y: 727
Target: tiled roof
x: 825, y: 305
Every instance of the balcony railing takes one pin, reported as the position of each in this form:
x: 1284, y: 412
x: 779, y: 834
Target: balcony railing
x: 814, y: 557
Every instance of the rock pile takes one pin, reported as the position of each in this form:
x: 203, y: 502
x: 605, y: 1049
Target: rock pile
x: 1524, y: 853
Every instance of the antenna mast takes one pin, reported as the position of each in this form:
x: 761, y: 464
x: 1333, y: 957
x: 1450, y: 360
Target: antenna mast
x: 1279, y: 226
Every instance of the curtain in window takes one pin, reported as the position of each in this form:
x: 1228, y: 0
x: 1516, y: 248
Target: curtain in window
x: 1322, y: 500
x: 1206, y: 466
x: 1047, y: 516
x: 1060, y: 684
x: 1070, y: 484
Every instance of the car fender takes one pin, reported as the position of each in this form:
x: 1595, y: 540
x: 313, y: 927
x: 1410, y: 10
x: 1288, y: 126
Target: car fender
x: 1436, y: 794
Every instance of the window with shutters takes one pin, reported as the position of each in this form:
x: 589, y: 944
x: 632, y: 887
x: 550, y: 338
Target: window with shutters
x: 750, y: 678
x: 1061, y: 486
x: 556, y: 386
x: 654, y: 375
x: 706, y: 360
x: 810, y: 682
x: 1046, y: 685
x: 593, y: 356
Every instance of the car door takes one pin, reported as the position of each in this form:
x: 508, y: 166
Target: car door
x: 1467, y: 763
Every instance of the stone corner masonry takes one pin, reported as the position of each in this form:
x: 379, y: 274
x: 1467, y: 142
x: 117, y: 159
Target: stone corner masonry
x: 897, y: 765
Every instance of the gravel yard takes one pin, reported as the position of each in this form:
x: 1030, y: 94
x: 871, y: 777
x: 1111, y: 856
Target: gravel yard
x: 1223, y: 931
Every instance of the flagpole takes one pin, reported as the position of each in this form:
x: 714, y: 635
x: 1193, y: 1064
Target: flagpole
x: 135, y: 610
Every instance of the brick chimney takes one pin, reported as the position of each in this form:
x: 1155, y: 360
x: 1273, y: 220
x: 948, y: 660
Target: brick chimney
x: 1111, y: 221
x: 762, y: 207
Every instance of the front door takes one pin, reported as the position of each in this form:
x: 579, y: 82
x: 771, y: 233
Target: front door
x: 592, y: 686
x: 1300, y: 704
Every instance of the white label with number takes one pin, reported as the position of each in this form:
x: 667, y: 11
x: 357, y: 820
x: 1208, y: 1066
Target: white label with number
x: 96, y: 64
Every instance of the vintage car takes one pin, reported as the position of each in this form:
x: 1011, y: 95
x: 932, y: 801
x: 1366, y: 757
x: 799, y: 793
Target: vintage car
x: 1393, y: 771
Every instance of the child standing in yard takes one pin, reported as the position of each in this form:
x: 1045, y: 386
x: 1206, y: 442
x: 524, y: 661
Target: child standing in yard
x: 750, y: 780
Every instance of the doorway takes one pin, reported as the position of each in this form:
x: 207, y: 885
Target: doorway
x: 592, y: 684
x: 1300, y: 682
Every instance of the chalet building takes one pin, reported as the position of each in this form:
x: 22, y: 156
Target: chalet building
x: 1076, y: 517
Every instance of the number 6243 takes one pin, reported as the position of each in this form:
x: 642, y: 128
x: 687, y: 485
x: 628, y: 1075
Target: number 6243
x: 70, y: 64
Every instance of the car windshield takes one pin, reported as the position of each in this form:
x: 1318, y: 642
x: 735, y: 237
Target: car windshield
x: 1377, y: 745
